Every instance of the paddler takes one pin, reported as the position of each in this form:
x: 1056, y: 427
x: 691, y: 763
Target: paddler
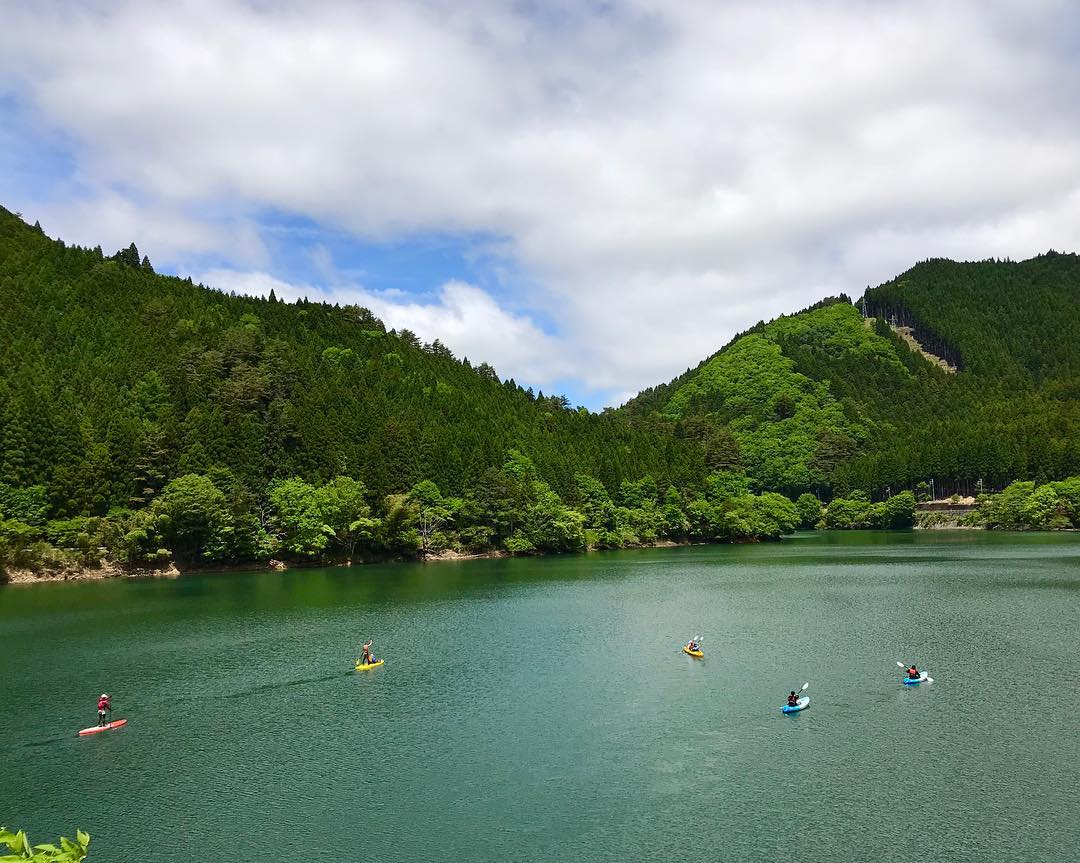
x: 104, y: 707
x: 792, y: 699
x: 367, y: 658
x: 694, y: 644
x: 913, y: 673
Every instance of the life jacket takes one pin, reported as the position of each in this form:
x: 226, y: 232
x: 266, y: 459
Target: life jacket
x: 913, y: 672
x: 103, y: 704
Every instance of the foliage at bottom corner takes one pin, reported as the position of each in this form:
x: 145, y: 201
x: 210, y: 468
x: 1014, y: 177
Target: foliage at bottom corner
x: 20, y: 850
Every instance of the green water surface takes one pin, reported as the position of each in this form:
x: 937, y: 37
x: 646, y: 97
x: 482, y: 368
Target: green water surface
x: 542, y: 709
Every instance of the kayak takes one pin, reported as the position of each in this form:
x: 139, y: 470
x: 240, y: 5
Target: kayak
x: 360, y: 666
x: 695, y: 653
x: 922, y: 678
x: 801, y: 704
x: 107, y: 727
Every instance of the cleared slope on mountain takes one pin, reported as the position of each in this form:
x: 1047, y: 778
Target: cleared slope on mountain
x: 1018, y: 321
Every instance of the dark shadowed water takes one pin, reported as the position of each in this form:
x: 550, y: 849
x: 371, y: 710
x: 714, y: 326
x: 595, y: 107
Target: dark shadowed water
x: 541, y: 709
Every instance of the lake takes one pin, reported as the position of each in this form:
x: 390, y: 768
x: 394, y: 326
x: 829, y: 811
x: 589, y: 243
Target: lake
x: 541, y: 709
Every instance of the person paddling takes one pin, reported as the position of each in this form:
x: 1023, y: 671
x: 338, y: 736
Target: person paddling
x: 104, y: 707
x: 367, y: 658
x: 792, y: 699
x: 913, y: 672
x: 694, y: 643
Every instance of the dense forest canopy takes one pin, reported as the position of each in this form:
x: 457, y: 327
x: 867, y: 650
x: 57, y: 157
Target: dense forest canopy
x: 115, y: 379
x: 149, y: 418
x: 834, y: 399
x: 1018, y: 322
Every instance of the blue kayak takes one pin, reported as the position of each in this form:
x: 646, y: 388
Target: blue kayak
x: 801, y: 704
x: 907, y: 681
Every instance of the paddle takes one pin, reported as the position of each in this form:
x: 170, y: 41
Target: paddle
x: 899, y: 663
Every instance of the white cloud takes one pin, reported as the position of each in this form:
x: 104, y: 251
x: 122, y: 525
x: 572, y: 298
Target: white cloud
x: 113, y: 222
x: 662, y: 174
x: 257, y: 284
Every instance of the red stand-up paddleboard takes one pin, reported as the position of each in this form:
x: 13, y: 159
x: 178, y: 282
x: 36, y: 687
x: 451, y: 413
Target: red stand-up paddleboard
x: 107, y: 727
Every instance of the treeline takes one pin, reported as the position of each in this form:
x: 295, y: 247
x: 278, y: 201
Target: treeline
x: 1030, y: 506
x: 857, y: 512
x: 207, y: 519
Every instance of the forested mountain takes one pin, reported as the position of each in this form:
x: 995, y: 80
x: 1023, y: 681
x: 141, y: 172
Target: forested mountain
x: 828, y: 400
x: 144, y: 418
x: 114, y: 379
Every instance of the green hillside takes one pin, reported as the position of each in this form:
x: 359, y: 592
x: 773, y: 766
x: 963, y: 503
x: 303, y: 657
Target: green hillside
x: 828, y: 401
x: 145, y: 419
x: 1018, y: 322
x: 113, y: 378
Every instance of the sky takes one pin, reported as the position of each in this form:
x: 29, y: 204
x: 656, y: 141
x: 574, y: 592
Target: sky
x: 590, y: 196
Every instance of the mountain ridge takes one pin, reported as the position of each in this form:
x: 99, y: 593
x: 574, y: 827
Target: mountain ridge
x: 1010, y: 329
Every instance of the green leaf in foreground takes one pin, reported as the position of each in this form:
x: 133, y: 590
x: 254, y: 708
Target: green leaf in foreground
x: 21, y: 850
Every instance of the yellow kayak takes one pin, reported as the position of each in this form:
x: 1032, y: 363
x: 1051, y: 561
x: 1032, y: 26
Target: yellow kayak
x: 360, y: 666
x: 697, y: 654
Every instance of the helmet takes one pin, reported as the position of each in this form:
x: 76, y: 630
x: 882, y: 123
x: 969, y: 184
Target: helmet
x: 103, y: 695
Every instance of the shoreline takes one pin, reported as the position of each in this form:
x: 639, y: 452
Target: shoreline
x: 110, y: 570
x: 105, y: 571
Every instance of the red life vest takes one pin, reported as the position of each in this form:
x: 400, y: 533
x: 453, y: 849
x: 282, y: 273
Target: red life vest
x: 103, y: 704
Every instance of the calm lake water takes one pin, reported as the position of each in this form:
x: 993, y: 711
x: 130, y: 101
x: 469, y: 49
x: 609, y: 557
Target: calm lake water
x: 542, y: 709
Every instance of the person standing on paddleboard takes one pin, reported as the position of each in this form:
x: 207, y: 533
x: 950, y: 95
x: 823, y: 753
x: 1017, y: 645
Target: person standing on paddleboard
x: 104, y: 707
x: 367, y: 658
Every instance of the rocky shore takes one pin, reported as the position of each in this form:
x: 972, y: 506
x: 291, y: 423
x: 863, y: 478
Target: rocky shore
x: 110, y: 569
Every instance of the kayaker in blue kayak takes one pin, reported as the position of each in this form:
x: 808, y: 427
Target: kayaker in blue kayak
x: 913, y: 672
x: 792, y: 699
